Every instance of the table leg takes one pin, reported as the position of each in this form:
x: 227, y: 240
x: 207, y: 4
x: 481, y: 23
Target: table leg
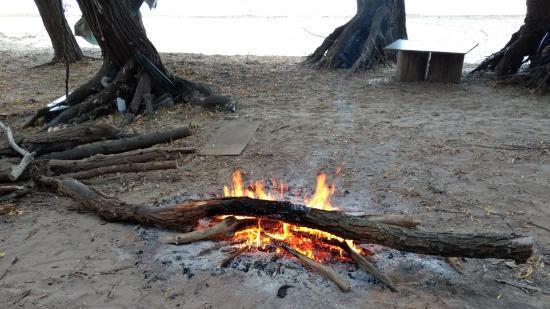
x: 445, y: 67
x: 411, y: 66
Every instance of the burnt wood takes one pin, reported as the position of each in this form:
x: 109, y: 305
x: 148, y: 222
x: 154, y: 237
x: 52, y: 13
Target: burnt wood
x: 183, y: 217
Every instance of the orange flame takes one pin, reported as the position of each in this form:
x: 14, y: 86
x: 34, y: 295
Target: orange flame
x: 303, y: 239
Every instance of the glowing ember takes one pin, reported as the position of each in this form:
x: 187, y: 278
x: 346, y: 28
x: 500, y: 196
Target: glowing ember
x: 304, y: 240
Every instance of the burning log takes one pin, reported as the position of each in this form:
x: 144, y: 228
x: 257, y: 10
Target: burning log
x: 226, y: 228
x: 183, y: 217
x: 327, y: 271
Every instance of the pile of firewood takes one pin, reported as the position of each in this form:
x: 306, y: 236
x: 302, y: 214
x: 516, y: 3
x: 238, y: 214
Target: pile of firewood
x: 83, y: 152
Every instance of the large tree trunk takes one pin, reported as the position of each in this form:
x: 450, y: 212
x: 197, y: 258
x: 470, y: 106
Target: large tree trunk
x: 64, y: 44
x: 523, y: 45
x: 129, y: 57
x: 359, y: 44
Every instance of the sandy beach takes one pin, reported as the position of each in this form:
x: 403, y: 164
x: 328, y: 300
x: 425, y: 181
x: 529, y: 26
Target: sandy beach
x: 438, y: 152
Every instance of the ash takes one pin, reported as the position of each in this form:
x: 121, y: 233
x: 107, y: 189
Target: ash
x: 199, y: 263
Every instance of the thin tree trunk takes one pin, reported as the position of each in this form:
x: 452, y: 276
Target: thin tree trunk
x: 63, y: 41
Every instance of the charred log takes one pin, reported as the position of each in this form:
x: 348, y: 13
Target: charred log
x: 184, y: 217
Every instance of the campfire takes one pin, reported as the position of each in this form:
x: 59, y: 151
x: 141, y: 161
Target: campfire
x: 307, y: 241
x: 270, y: 218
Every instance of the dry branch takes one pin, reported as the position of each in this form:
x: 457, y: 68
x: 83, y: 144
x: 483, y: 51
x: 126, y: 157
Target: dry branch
x: 326, y: 270
x: 135, y: 156
x: 28, y: 157
x: 124, y: 168
x: 183, y: 217
x: 120, y: 145
x: 226, y: 228
x: 366, y: 265
x: 59, y: 140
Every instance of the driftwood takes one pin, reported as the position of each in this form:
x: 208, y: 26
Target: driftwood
x: 120, y: 145
x: 326, y: 270
x: 135, y: 156
x: 183, y: 217
x: 59, y: 140
x: 124, y: 168
x: 226, y: 228
x: 28, y: 157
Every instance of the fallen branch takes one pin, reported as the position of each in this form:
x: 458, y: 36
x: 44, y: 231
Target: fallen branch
x: 226, y: 228
x: 326, y: 270
x: 28, y: 157
x: 120, y: 145
x: 183, y: 217
x: 60, y: 140
x: 525, y: 287
x: 124, y: 168
x: 135, y: 156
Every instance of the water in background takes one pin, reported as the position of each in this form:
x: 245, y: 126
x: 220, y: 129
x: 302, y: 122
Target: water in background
x: 283, y: 27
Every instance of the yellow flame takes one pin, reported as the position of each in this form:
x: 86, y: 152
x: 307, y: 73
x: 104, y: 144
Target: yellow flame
x: 301, y: 238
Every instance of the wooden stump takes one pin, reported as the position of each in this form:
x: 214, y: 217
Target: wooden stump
x: 411, y: 66
x: 445, y: 67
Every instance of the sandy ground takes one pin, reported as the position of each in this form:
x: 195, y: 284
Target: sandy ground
x: 434, y: 151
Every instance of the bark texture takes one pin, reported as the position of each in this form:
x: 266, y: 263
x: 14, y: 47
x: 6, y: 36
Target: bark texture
x: 524, y: 47
x: 359, y: 44
x: 63, y: 41
x: 184, y: 217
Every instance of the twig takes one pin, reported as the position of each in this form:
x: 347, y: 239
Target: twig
x: 513, y: 147
x: 226, y: 228
x: 366, y: 265
x: 231, y: 256
x: 115, y: 270
x: 326, y: 270
x: 6, y: 270
x: 525, y: 287
x: 531, y: 224
x: 455, y: 264
x: 21, y: 295
x: 16, y: 171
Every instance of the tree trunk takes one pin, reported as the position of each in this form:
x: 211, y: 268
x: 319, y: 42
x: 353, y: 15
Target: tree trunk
x: 523, y: 46
x: 64, y: 43
x: 128, y: 56
x: 359, y: 44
